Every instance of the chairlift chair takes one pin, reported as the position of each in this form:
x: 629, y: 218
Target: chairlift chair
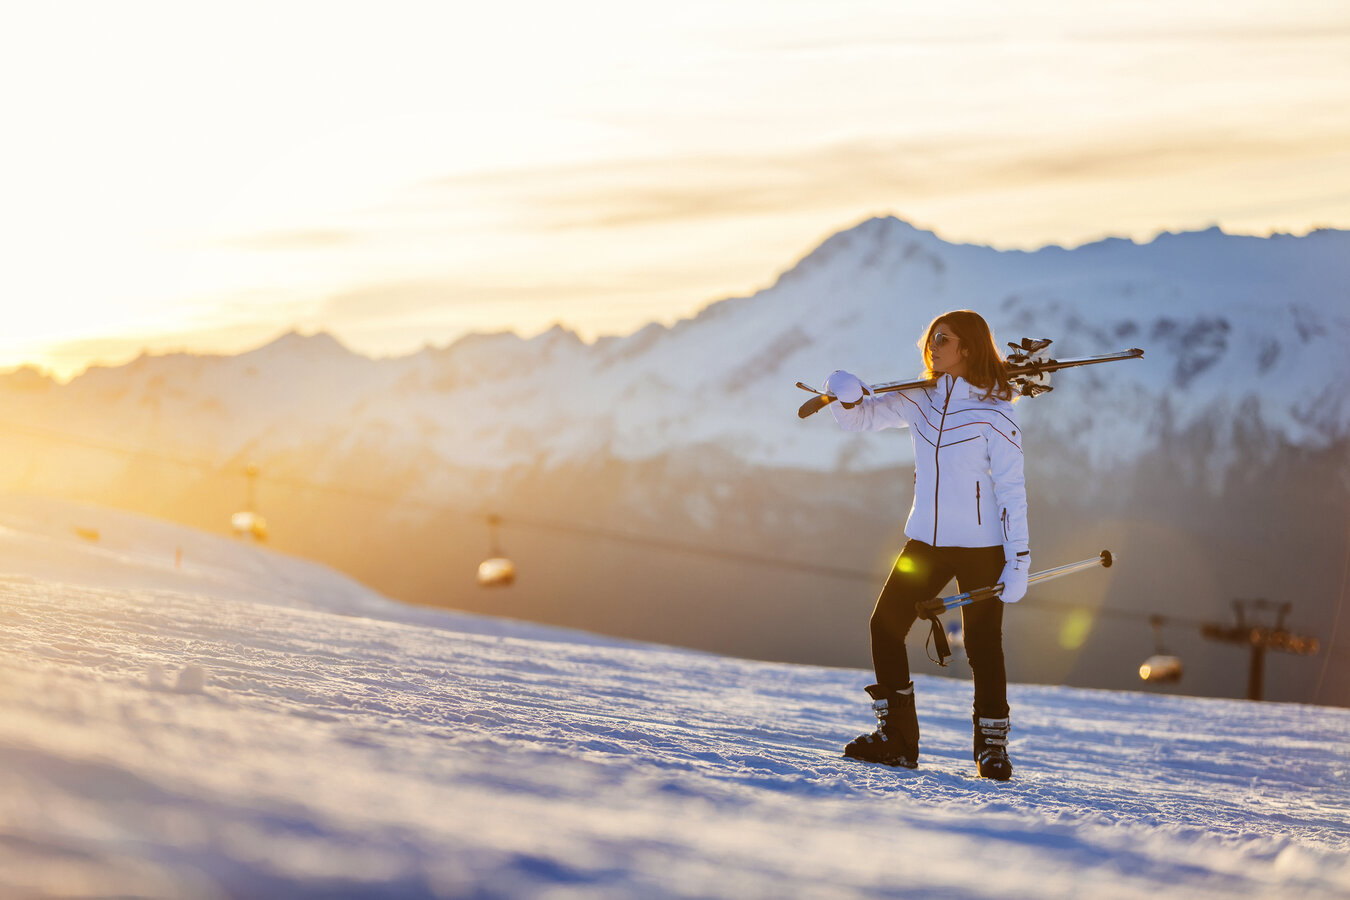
x: 1162, y: 667
x: 247, y: 522
x: 496, y: 570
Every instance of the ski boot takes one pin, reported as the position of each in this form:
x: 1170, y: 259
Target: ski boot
x: 896, y: 740
x: 991, y: 747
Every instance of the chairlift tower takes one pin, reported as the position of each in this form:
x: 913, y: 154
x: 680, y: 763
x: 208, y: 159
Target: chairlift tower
x: 1260, y: 638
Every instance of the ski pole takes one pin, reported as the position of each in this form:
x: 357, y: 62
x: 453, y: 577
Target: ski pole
x: 940, y: 605
x: 932, y: 609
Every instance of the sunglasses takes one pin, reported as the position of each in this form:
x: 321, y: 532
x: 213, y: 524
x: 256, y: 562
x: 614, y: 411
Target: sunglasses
x: 939, y: 339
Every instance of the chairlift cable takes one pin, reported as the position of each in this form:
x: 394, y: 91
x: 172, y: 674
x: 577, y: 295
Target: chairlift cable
x: 555, y: 526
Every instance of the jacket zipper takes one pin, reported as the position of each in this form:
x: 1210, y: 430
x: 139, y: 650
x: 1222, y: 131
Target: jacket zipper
x: 1005, y: 523
x: 937, y: 465
x: 978, y: 520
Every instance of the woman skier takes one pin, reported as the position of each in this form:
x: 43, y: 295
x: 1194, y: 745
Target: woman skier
x: 968, y: 521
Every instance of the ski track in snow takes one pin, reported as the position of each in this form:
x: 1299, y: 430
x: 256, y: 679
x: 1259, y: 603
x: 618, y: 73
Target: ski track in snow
x: 207, y: 737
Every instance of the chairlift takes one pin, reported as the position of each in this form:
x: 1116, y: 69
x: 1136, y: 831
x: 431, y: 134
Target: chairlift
x: 247, y: 523
x: 1162, y: 667
x: 956, y: 635
x: 496, y: 570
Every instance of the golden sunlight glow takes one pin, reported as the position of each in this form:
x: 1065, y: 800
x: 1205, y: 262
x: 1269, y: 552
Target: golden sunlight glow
x: 1075, y: 629
x: 189, y: 176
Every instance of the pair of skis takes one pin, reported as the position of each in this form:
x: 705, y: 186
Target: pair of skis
x: 1025, y: 372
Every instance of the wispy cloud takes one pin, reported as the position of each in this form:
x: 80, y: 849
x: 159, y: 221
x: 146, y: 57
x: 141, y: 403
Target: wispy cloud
x: 1212, y: 31
x: 468, y: 300
x: 288, y: 241
x: 1210, y: 35
x: 865, y: 174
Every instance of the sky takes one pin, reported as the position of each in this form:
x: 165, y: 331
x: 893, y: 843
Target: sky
x: 207, y: 176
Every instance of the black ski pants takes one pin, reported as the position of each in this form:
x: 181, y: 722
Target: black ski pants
x: 919, y: 573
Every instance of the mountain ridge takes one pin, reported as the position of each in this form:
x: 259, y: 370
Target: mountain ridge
x: 1203, y: 308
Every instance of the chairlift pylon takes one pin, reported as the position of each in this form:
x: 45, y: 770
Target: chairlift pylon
x: 497, y: 570
x: 1260, y: 637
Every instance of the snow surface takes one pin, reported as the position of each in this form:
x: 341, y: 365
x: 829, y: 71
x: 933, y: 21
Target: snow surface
x: 235, y: 723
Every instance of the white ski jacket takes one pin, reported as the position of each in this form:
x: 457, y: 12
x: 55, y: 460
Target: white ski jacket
x: 969, y: 488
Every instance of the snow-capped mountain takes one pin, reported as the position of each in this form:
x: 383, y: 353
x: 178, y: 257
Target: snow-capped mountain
x: 1222, y: 458
x: 1235, y: 329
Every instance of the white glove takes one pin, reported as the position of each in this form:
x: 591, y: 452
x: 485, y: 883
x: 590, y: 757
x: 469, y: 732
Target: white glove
x: 845, y: 386
x: 1014, y: 577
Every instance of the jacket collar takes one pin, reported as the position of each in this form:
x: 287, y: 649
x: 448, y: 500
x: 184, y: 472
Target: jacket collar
x: 951, y: 387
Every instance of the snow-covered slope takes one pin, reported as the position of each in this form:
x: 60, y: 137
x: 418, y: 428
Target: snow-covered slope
x: 240, y: 724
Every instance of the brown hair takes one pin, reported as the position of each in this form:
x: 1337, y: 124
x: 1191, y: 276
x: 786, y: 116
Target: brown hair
x: 984, y: 365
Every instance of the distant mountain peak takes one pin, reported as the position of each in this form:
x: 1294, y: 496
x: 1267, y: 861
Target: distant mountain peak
x: 870, y: 241
x: 557, y: 333
x: 1213, y: 231
x: 294, y: 340
x: 297, y: 346
x: 28, y: 378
